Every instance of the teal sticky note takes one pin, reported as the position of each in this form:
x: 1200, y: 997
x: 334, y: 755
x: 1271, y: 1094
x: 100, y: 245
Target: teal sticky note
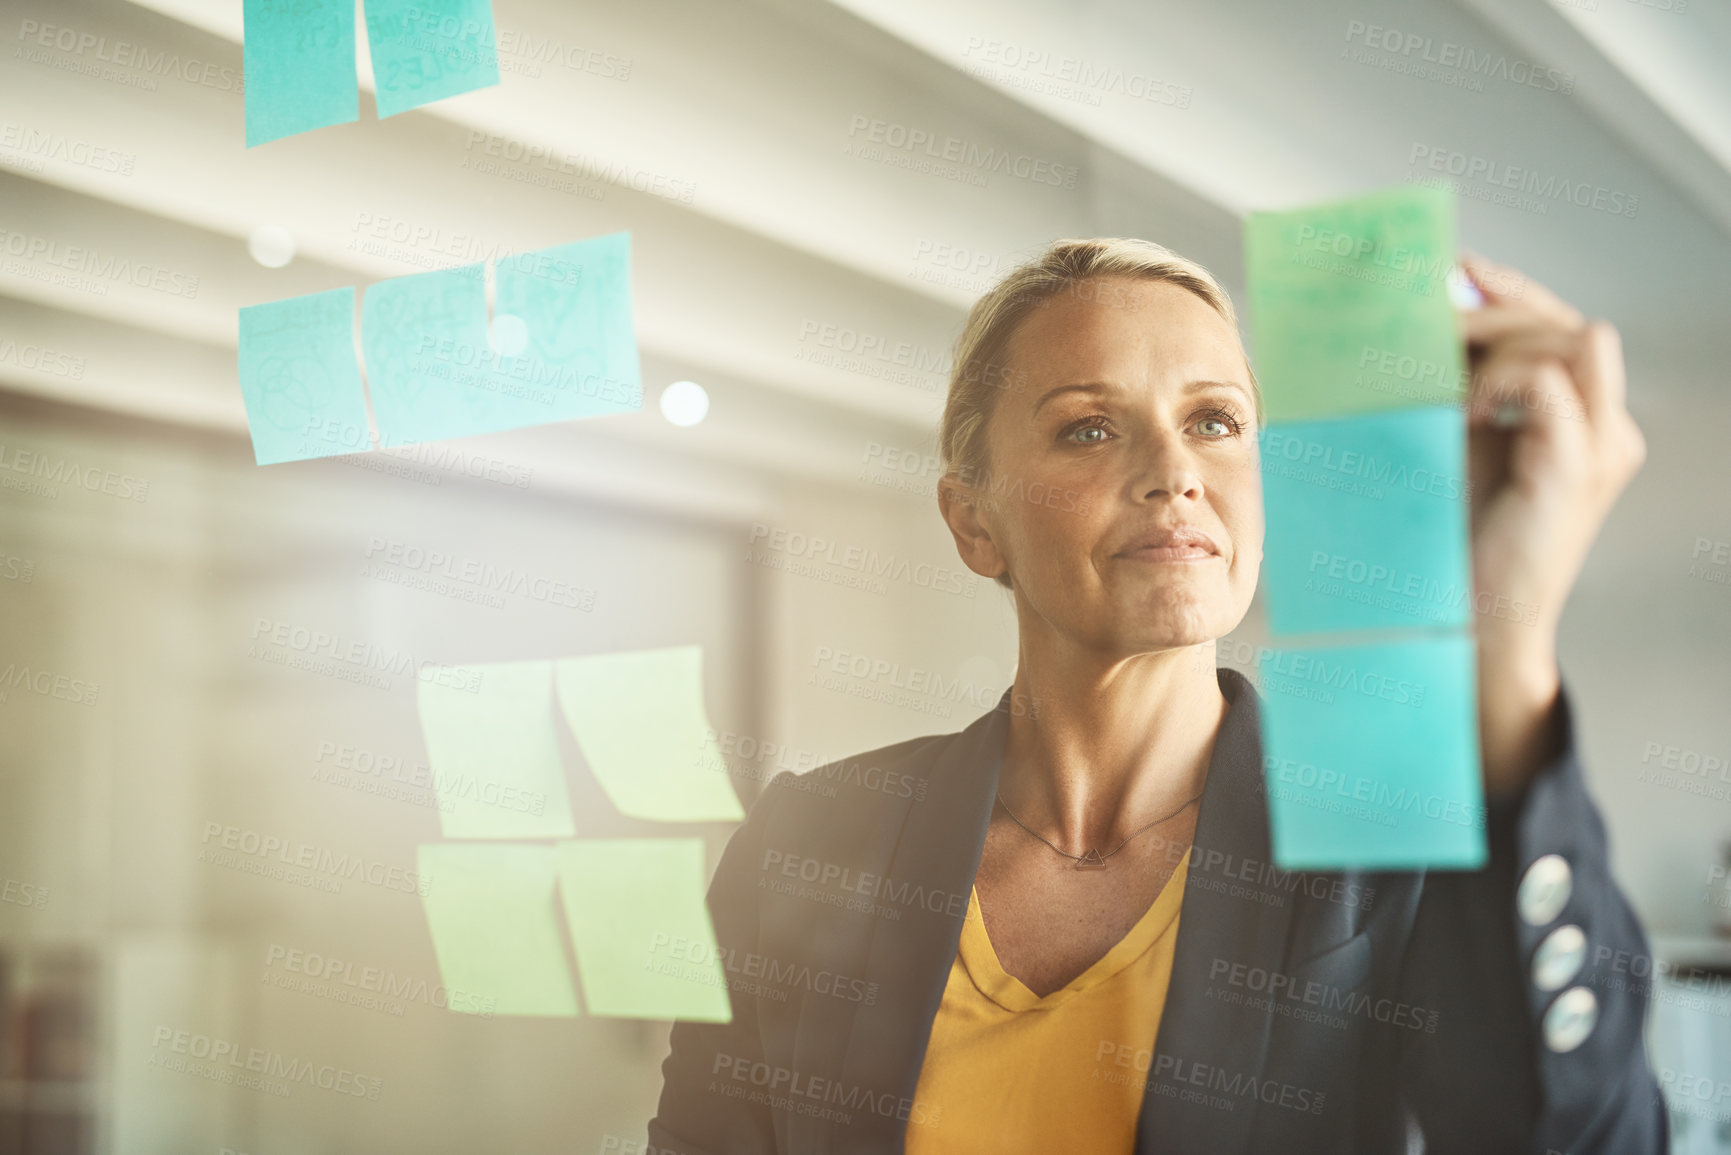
x: 299, y: 380
x: 645, y: 943
x: 492, y: 912
x: 572, y: 306
x: 493, y: 752
x: 1349, y: 307
x: 424, y: 337
x: 1371, y: 755
x: 1367, y: 522
x: 299, y: 62
x: 426, y: 50
x: 639, y: 719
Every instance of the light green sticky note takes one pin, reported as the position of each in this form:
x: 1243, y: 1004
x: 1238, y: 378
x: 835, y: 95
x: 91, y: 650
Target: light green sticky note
x: 645, y: 942
x: 639, y: 719
x: 493, y: 751
x: 426, y: 50
x: 1349, y: 306
x: 299, y: 379
x: 298, y: 58
x: 492, y: 913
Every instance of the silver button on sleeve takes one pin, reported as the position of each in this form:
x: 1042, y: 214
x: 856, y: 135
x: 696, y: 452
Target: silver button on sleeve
x: 1559, y: 957
x: 1544, y: 890
x: 1571, y: 1019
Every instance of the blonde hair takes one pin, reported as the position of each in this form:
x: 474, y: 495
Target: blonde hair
x: 978, y: 374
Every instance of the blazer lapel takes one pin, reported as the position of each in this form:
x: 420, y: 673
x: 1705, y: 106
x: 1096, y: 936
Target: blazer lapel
x: 1232, y: 911
x: 928, y: 881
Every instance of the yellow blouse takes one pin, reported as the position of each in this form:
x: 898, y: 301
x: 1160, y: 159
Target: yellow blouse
x: 1007, y: 1070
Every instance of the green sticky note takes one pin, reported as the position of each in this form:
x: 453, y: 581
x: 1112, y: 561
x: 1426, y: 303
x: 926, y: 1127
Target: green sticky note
x: 1349, y: 307
x: 493, y: 915
x: 299, y: 380
x: 639, y: 719
x: 1371, y: 755
x: 299, y: 62
x: 426, y: 50
x: 645, y: 944
x: 493, y: 752
x: 1367, y: 522
x: 424, y: 337
x: 572, y: 305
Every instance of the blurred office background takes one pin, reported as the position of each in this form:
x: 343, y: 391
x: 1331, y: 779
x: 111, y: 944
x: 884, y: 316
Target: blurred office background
x: 809, y: 270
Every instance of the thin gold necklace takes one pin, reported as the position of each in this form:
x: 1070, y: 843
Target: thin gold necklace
x: 1093, y: 859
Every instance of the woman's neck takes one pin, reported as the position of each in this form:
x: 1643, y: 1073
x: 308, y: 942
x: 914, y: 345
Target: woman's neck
x: 1100, y: 746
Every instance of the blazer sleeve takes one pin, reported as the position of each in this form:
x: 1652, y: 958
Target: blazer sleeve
x: 1490, y: 1078
x: 694, y: 1116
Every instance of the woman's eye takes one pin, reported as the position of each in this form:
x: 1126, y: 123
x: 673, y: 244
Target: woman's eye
x: 1081, y: 433
x: 1220, y: 428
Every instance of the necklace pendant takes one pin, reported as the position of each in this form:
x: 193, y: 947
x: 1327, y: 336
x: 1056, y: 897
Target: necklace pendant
x: 1091, y: 861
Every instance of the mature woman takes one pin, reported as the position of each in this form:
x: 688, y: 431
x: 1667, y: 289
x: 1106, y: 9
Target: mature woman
x: 930, y: 968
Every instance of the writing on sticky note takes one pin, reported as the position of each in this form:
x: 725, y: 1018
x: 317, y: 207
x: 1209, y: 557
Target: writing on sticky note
x: 491, y: 909
x: 1371, y: 755
x: 299, y: 380
x: 1349, y: 306
x: 299, y: 61
x: 574, y: 305
x: 1367, y: 522
x: 644, y: 940
x: 427, y: 50
x: 494, y: 754
x: 639, y: 719
x: 423, y: 337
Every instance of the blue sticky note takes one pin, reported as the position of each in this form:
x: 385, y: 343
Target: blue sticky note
x: 424, y: 338
x: 426, y: 50
x: 571, y: 306
x: 299, y: 379
x: 1371, y: 755
x: 299, y: 61
x: 1367, y: 522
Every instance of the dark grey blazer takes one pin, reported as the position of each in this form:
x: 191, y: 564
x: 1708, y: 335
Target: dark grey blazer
x: 1307, y: 1012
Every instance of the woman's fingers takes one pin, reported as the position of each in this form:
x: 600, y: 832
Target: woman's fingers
x: 1512, y: 289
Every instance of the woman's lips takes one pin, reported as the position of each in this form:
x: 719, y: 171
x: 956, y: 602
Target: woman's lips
x: 1171, y: 545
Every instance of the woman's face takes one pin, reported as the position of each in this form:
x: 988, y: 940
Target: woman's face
x: 1123, y: 498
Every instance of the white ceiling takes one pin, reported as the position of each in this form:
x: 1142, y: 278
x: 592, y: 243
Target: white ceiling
x: 754, y: 106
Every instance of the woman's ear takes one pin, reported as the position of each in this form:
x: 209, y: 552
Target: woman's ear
x: 967, y: 514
